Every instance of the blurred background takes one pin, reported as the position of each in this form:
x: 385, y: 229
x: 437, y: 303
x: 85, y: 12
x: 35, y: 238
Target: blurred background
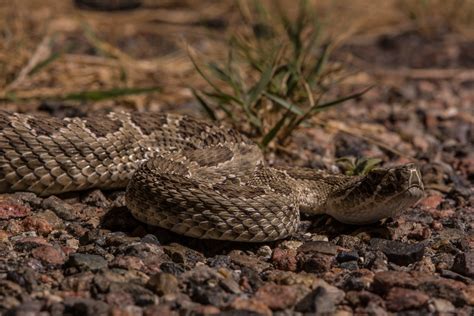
x: 391, y: 79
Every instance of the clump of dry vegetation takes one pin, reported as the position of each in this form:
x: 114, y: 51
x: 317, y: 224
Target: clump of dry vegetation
x: 276, y: 74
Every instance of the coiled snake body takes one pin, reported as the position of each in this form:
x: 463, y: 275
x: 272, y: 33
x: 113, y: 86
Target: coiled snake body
x: 189, y: 176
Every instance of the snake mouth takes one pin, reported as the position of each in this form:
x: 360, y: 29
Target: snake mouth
x: 415, y: 191
x: 414, y: 181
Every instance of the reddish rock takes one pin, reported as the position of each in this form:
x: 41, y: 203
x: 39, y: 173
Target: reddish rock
x: 316, y: 256
x: 277, y: 297
x: 127, y: 262
x: 119, y: 298
x: 37, y: 224
x: 30, y: 242
x: 4, y: 236
x: 451, y: 290
x: 432, y: 201
x: 316, y: 263
x: 10, y: 209
x: 468, y: 293
x: 385, y: 280
x: 284, y: 259
x: 399, y: 299
x: 49, y: 254
x: 250, y: 305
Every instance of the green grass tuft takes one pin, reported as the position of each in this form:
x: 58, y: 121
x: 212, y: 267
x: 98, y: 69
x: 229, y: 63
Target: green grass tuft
x: 275, y: 76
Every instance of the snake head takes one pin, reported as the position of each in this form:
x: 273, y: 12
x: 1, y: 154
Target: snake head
x: 381, y: 193
x: 397, y: 182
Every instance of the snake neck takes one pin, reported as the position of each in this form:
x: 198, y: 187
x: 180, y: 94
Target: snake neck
x: 316, y: 187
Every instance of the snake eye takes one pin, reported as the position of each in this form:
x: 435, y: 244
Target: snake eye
x: 376, y: 175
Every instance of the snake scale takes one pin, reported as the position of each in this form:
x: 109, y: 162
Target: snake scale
x: 189, y: 176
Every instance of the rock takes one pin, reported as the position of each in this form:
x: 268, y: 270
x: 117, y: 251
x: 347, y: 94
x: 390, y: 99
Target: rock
x: 347, y: 241
x: 10, y: 209
x: 323, y: 247
x: 387, y: 279
x: 453, y: 291
x: 159, y: 310
x: 265, y: 252
x: 49, y: 254
x: 60, y: 208
x: 26, y: 277
x: 398, y: 252
x: 96, y: 198
x: 9, y: 288
x: 455, y: 276
x: 364, y: 298
x: 163, y: 283
x: 399, y: 299
x: 27, y: 198
x: 204, y: 285
x: 464, y: 264
x: 4, y: 236
x: 277, y: 297
x: 441, y: 306
x: 322, y: 300
x: 316, y: 256
x: 86, y: 262
x: 141, y: 296
x: 375, y: 260
x: 219, y: 261
x: 141, y: 250
x: 150, y: 239
x: 184, y: 255
x: 250, y: 279
x: 28, y: 243
x: 38, y: 224
x: 315, y: 263
x: 127, y: 262
x: 172, y: 268
x: 28, y: 308
x: 243, y: 260
x: 83, y: 306
x: 284, y: 259
x: 307, y: 280
x: 79, y: 282
x: 359, y: 280
x: 250, y: 306
x: 347, y: 256
x: 290, y: 244
x: 431, y: 202
x: 119, y: 298
x: 118, y: 239
x: 349, y: 265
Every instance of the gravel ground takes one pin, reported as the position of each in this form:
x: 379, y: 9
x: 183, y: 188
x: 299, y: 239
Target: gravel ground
x: 84, y: 254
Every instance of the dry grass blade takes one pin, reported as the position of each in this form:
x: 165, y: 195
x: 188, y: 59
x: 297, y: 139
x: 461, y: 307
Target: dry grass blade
x: 284, y: 67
